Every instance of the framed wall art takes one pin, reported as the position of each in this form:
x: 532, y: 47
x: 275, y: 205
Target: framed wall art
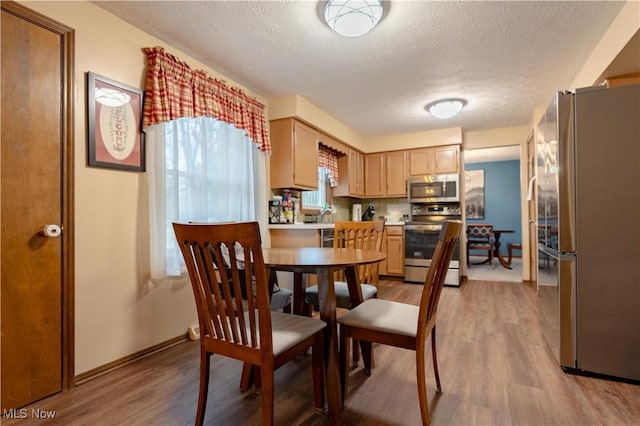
x: 474, y: 194
x: 114, y: 114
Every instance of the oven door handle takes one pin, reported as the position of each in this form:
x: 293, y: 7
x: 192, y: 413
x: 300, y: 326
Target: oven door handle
x: 423, y: 228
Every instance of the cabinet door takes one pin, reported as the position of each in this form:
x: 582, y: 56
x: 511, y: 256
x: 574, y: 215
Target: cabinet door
x: 305, y: 156
x: 395, y: 255
x: 421, y: 162
x: 382, y: 269
x: 374, y: 171
x: 396, y: 173
x: 356, y: 173
x: 447, y: 159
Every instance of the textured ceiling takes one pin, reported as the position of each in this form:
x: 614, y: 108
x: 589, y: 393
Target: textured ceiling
x: 505, y: 58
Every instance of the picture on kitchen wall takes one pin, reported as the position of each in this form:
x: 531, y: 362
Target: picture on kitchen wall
x: 474, y: 194
x: 114, y: 120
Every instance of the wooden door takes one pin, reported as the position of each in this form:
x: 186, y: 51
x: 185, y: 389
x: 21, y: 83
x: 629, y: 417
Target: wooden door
x: 35, y: 163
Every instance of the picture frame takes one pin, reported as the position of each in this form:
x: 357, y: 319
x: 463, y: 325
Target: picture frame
x: 114, y: 115
x: 474, y: 194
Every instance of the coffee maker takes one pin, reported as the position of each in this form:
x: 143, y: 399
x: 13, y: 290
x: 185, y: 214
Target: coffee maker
x: 369, y: 213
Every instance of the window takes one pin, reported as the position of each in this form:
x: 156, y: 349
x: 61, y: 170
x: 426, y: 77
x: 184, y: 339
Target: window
x: 202, y: 170
x: 316, y: 200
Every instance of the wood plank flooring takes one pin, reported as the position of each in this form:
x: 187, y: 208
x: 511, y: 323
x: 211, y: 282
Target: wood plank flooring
x: 495, y: 367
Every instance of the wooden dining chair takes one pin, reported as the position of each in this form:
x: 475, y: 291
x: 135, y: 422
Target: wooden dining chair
x: 480, y: 237
x: 246, y: 330
x: 362, y: 235
x: 403, y: 325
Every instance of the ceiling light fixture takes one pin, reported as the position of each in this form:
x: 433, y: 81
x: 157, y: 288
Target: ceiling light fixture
x: 351, y: 18
x: 445, y: 108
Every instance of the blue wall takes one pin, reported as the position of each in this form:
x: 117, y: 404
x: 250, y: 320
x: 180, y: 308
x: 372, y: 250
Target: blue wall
x: 501, y: 198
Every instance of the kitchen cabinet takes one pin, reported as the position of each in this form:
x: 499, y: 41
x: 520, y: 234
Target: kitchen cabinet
x: 435, y: 160
x: 294, y: 155
x: 393, y: 246
x: 351, y: 171
x: 396, y: 174
x: 375, y: 175
x: 386, y: 174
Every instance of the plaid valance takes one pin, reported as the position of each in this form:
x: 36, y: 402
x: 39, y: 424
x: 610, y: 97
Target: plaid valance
x: 173, y: 90
x: 328, y: 158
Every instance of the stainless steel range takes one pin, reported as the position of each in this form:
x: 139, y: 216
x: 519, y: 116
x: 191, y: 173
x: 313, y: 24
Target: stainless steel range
x: 421, y: 237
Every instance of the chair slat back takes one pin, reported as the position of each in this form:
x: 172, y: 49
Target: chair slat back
x: 224, y: 262
x: 480, y: 232
x: 361, y: 235
x: 449, y: 236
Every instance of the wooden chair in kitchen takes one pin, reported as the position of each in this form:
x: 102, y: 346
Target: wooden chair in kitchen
x: 280, y: 297
x: 480, y: 237
x: 362, y: 235
x: 245, y: 330
x: 402, y: 325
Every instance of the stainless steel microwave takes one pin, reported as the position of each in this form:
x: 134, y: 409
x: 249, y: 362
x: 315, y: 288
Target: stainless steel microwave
x: 433, y: 189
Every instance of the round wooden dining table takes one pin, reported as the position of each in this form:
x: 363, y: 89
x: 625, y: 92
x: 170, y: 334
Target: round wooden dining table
x: 324, y: 262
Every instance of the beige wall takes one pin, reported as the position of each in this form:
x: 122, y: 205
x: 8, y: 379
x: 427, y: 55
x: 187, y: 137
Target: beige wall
x: 118, y: 310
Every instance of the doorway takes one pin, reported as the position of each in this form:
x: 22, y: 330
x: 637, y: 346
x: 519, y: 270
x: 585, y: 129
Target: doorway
x: 36, y: 206
x: 494, y: 193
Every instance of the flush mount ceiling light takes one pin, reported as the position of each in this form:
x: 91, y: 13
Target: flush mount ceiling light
x: 445, y: 108
x: 351, y: 18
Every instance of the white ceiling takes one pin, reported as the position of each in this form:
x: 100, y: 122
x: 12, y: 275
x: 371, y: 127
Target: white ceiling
x: 505, y: 58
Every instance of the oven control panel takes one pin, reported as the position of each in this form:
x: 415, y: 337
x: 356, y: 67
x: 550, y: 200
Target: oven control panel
x: 435, y: 210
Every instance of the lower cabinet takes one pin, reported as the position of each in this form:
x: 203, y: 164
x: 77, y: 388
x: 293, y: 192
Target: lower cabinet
x: 393, y: 245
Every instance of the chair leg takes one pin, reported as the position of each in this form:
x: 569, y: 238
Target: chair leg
x: 344, y: 358
x: 317, y: 363
x: 246, y: 378
x: 205, y: 363
x: 367, y: 356
x: 422, y: 384
x: 355, y: 353
x: 267, y: 379
x: 435, y: 359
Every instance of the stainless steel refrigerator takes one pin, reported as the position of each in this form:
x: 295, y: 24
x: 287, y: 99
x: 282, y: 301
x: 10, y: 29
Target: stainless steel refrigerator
x: 588, y: 180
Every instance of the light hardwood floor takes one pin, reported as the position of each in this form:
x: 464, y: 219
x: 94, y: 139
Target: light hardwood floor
x: 494, y: 365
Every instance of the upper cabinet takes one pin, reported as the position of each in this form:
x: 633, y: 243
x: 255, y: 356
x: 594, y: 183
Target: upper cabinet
x: 294, y: 155
x: 351, y: 167
x: 436, y: 160
x: 386, y: 174
x: 375, y: 175
x: 396, y: 171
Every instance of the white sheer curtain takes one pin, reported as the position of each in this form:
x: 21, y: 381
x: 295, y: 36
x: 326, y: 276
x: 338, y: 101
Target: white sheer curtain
x: 200, y: 170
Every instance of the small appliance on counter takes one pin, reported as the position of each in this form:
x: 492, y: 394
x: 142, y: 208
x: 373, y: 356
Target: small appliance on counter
x: 369, y: 213
x: 357, y: 213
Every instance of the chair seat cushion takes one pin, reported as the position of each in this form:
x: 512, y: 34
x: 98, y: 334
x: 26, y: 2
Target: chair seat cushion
x: 289, y: 330
x: 342, y: 294
x: 280, y: 298
x: 384, y: 315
